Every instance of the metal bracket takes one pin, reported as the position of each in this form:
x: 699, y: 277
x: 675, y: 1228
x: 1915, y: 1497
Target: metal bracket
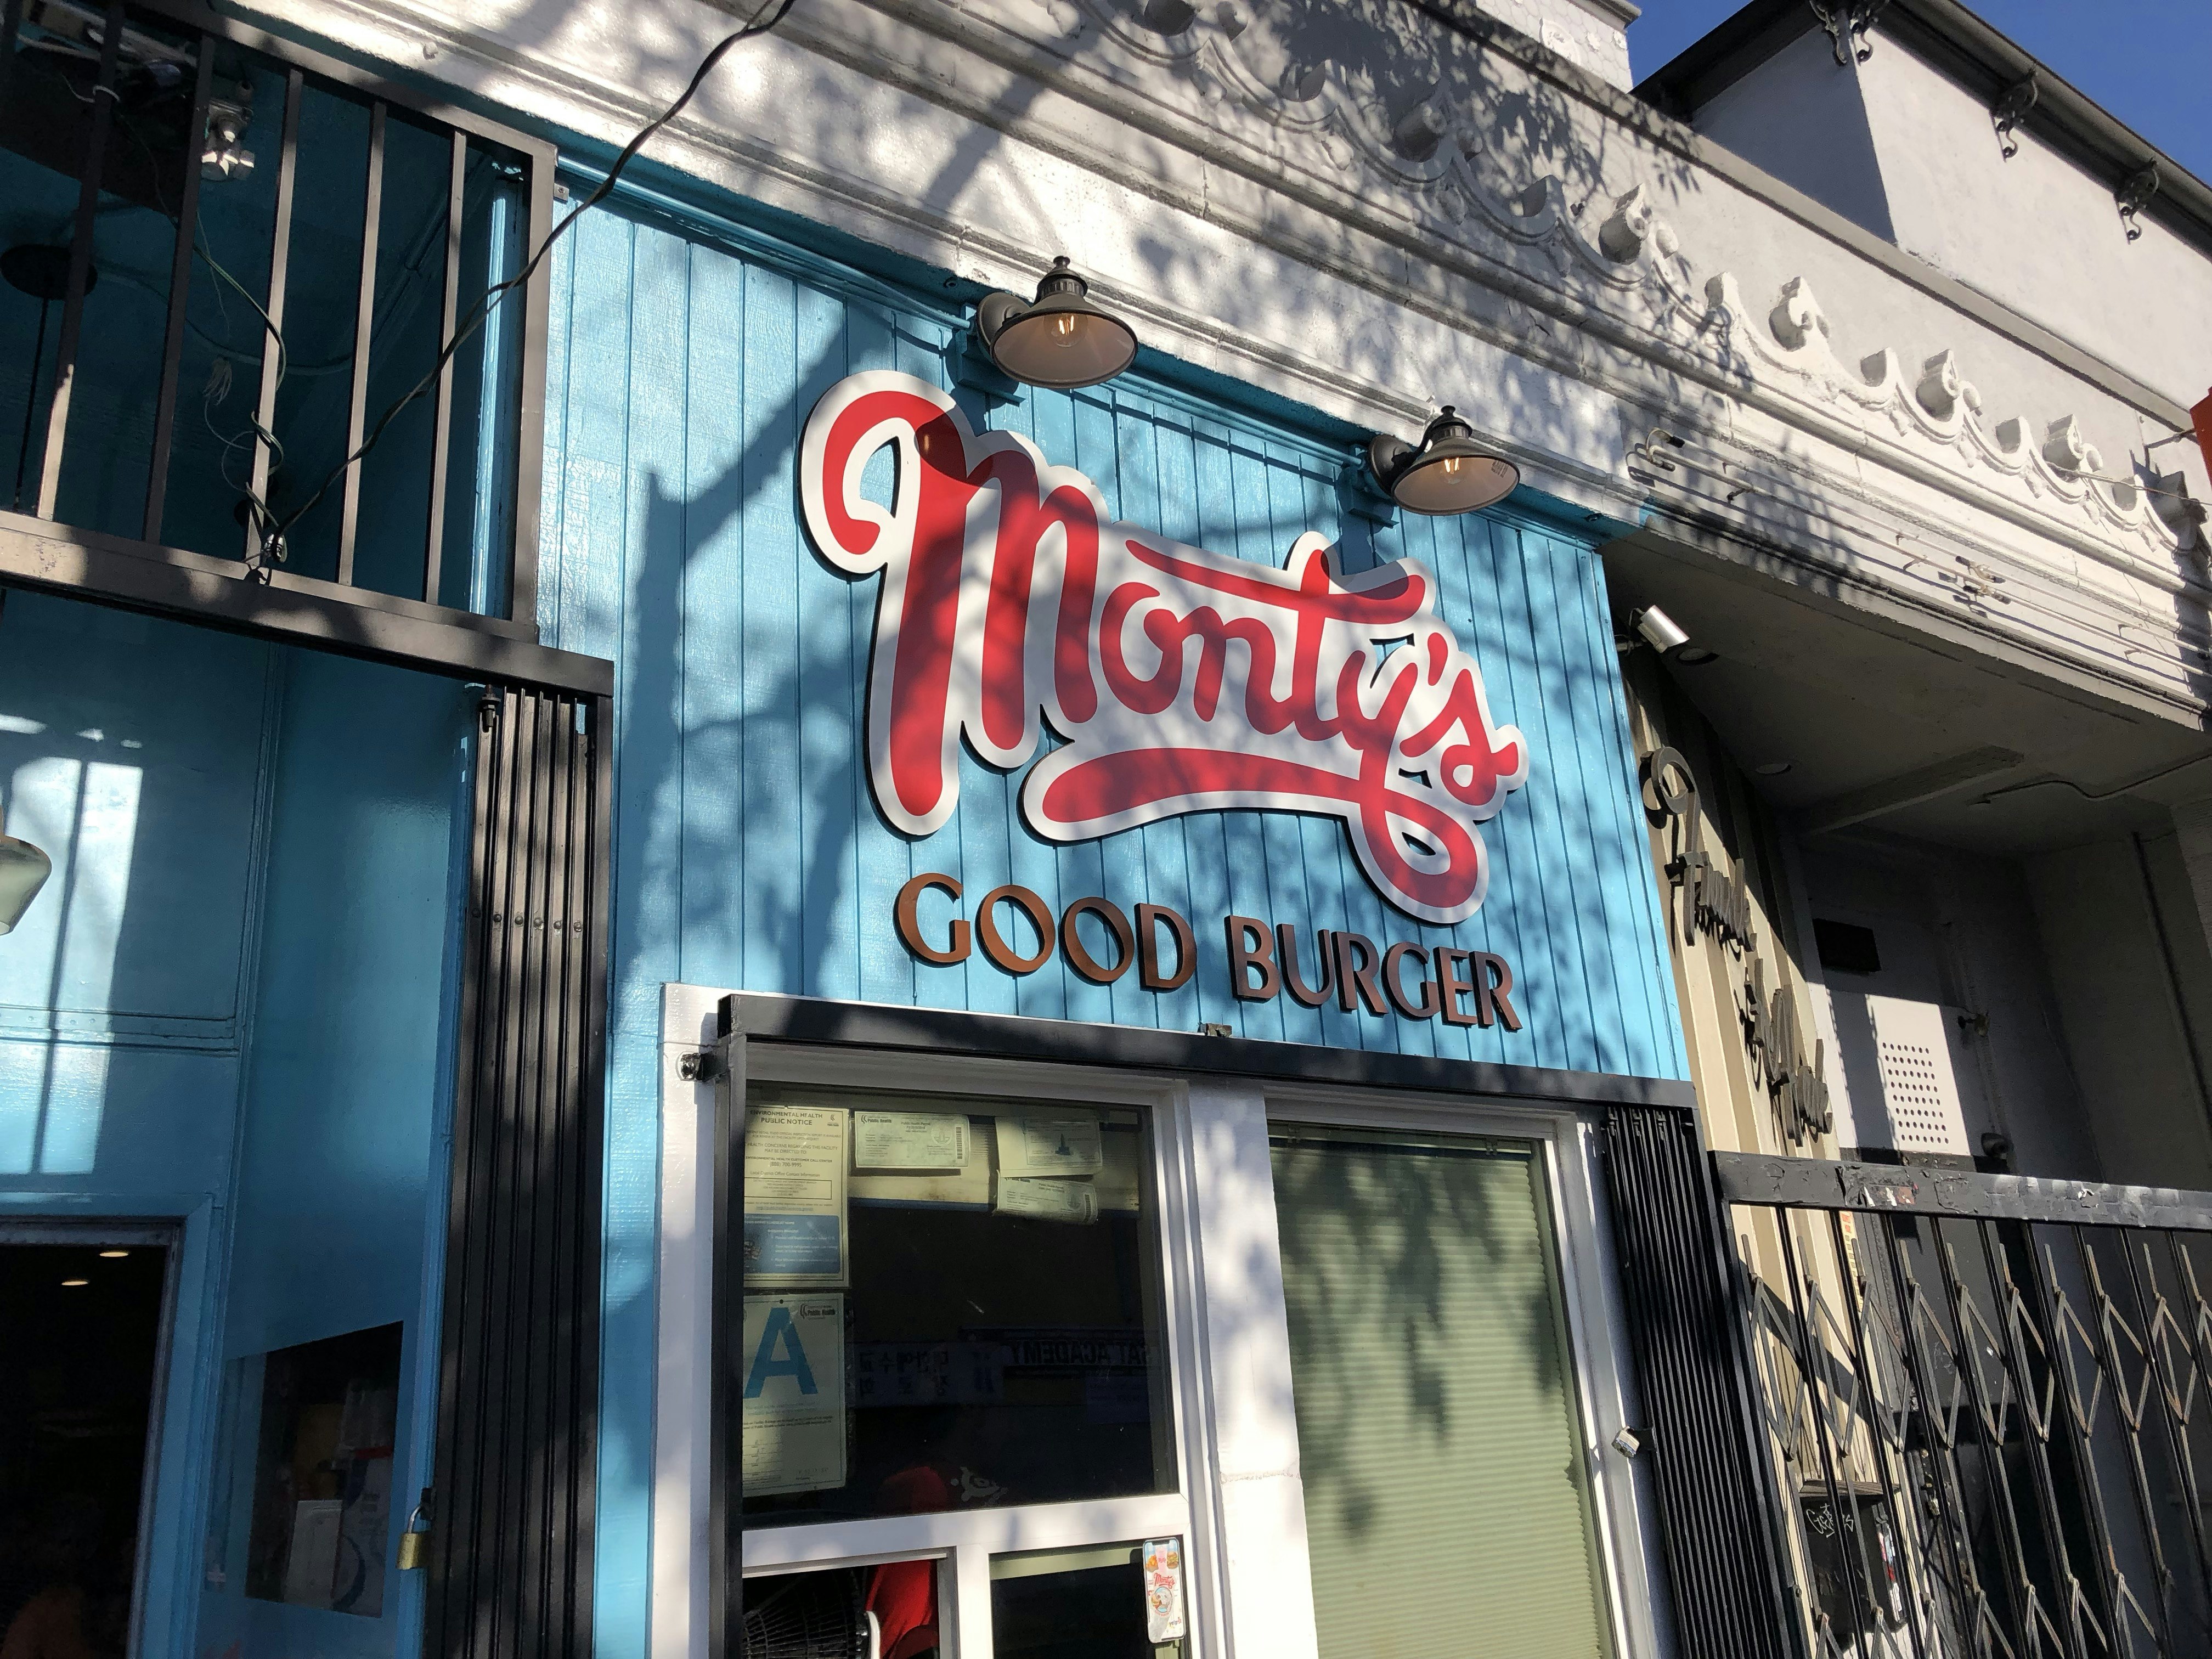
x: 2133, y: 196
x: 2011, y: 110
x: 1847, y: 22
x: 700, y: 1065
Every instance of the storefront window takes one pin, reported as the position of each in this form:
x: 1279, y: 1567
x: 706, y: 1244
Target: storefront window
x: 950, y: 1303
x: 1447, y: 1483
x: 1101, y: 1601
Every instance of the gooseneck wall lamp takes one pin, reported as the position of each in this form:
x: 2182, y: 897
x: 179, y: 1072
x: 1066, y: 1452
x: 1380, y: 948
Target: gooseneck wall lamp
x: 23, y: 869
x: 1449, y: 473
x: 1061, y: 339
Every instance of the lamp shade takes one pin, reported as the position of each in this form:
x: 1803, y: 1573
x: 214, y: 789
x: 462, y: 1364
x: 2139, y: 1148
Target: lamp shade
x: 1448, y: 473
x: 23, y: 869
x: 1061, y: 339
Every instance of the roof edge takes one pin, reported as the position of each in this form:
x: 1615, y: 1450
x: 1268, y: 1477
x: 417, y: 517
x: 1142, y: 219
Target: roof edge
x: 1973, y: 54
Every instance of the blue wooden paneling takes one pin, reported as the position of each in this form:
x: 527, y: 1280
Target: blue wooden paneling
x: 748, y: 851
x: 751, y: 849
x: 228, y: 1008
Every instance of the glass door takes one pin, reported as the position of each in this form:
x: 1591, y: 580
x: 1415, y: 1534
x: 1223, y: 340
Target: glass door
x: 955, y: 1381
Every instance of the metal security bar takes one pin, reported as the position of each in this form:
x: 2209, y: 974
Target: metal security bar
x: 306, y: 211
x: 1700, y: 1420
x: 512, y: 1510
x: 1988, y: 1407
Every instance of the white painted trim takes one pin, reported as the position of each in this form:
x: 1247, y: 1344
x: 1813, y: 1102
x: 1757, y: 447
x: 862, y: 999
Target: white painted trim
x: 1241, y: 1502
x: 989, y: 1532
x: 683, y: 1421
x: 1254, y: 1516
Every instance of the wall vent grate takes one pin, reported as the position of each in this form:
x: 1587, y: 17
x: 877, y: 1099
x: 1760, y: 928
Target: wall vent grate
x: 1919, y: 1088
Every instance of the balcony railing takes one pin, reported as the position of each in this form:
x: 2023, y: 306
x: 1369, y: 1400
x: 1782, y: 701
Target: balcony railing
x: 227, y: 261
x: 1987, y: 1403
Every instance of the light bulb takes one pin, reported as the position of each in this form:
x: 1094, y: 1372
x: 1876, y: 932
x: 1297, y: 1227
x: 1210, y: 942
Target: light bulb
x: 1064, y: 326
x: 1451, y: 466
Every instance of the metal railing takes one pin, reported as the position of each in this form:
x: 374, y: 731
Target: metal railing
x: 1988, y: 1400
x: 300, y: 226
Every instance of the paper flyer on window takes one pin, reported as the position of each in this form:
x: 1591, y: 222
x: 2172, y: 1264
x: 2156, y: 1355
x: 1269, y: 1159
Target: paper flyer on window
x: 1050, y: 1146
x: 1164, y: 1613
x: 793, y: 1416
x: 909, y: 1140
x: 795, y: 1233
x: 969, y: 1185
x: 1047, y: 1200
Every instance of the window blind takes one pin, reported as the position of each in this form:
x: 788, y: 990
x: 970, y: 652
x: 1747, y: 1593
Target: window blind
x: 1448, y: 1507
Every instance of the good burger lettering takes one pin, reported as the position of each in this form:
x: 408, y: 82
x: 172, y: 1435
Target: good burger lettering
x: 1183, y: 681
x: 1419, y: 982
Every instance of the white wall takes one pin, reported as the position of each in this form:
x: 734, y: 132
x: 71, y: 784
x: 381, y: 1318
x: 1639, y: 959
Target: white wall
x: 1591, y: 34
x: 2037, y: 232
x: 2123, y: 1019
x: 1958, y: 930
x: 1802, y: 118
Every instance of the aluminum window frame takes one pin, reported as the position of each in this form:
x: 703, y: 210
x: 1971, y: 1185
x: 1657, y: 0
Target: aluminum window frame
x: 1243, y: 1521
x: 962, y: 1543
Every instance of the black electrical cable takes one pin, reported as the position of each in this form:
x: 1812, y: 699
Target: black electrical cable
x: 2101, y: 795
x: 272, y: 542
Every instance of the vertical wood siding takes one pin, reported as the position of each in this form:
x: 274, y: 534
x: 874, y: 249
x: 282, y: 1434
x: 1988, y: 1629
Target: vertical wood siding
x: 750, y: 851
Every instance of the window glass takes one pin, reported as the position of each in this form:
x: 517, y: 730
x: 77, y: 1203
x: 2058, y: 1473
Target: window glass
x: 1100, y: 1602
x: 1447, y: 1502
x: 318, y: 1512
x: 949, y: 1303
x: 884, y: 1611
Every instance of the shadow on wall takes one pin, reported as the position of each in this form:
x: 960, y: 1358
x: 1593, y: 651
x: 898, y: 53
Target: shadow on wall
x: 1393, y: 1245
x: 678, y: 724
x: 1319, y: 69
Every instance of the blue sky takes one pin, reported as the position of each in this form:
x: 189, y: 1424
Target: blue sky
x: 2149, y: 62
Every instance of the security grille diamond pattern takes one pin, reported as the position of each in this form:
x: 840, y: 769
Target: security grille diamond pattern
x: 1984, y: 1430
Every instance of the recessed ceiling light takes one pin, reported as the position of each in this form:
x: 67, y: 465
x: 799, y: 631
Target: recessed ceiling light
x: 73, y: 1283
x: 113, y: 1255
x: 1695, y: 656
x: 1772, y: 769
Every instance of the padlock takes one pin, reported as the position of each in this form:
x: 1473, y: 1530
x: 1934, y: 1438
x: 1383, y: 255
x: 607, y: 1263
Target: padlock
x: 414, y: 1542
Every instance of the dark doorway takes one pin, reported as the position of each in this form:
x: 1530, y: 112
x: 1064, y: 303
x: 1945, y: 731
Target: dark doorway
x: 79, y: 1341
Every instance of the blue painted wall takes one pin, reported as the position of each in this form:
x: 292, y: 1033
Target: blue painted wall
x: 225, y: 1008
x: 751, y: 851
x: 684, y: 362
x: 338, y: 1203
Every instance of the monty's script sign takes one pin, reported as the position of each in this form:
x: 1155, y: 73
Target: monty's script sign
x: 1174, y: 680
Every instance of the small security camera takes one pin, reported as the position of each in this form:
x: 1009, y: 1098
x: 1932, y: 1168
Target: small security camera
x: 1659, y: 631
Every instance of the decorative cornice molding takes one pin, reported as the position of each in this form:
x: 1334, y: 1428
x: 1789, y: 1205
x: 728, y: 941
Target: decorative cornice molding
x: 1401, y: 189
x: 1420, y: 147
x: 1936, y: 406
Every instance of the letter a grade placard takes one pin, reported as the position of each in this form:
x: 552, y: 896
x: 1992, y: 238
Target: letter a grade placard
x: 794, y: 1356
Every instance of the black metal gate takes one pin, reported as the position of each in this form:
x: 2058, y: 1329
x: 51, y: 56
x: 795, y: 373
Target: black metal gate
x: 511, y: 1559
x: 1986, y: 1402
x: 1723, y: 1565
